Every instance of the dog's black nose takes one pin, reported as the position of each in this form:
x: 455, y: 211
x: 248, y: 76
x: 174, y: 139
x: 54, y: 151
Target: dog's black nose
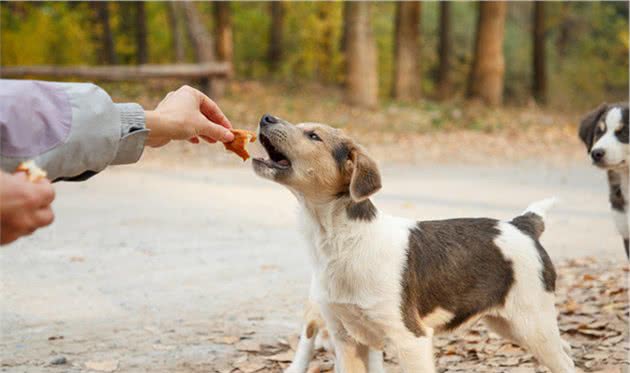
x: 598, y: 155
x: 268, y: 119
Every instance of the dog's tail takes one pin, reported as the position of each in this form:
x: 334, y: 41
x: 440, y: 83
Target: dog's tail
x: 532, y: 220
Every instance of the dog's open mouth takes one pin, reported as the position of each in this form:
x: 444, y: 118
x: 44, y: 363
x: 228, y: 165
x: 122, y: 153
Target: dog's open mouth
x: 276, y: 158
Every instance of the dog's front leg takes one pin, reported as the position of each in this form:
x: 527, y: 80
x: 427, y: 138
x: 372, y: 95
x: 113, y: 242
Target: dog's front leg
x: 415, y: 353
x: 304, y: 351
x: 351, y: 357
x: 376, y: 361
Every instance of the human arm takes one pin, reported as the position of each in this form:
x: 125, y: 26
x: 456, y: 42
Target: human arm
x: 74, y: 130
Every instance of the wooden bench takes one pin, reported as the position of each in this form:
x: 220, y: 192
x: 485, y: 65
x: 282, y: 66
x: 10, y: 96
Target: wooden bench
x: 212, y: 76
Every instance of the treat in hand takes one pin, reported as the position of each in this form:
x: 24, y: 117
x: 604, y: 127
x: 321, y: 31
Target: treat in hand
x: 33, y: 173
x: 241, y: 138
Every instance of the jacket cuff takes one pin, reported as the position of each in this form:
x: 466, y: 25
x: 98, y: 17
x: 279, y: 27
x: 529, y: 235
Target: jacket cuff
x: 133, y: 133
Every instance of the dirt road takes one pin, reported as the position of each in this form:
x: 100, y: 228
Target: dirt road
x: 148, y: 269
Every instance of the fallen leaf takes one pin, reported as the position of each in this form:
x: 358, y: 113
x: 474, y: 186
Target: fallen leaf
x: 286, y: 356
x: 102, y: 366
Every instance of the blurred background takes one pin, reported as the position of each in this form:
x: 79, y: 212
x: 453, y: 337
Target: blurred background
x: 387, y: 71
x: 186, y: 262
x: 566, y: 55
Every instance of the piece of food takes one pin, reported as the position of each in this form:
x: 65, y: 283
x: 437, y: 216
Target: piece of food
x: 33, y: 172
x: 241, y: 138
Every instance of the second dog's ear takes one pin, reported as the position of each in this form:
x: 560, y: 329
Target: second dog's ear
x: 588, y: 124
x: 366, y: 178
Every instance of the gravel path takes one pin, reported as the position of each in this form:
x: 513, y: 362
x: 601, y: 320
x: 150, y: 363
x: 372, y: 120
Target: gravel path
x: 153, y: 269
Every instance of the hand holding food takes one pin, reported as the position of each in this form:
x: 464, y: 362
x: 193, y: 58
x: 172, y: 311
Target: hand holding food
x: 33, y: 173
x: 26, y: 199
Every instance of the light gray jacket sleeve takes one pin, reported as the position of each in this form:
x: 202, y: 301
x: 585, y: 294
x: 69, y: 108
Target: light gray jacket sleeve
x: 71, y: 130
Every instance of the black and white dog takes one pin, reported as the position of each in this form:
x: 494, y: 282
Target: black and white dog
x: 604, y: 131
x: 381, y: 279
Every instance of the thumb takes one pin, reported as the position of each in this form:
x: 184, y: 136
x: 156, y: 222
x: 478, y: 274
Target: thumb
x: 213, y: 130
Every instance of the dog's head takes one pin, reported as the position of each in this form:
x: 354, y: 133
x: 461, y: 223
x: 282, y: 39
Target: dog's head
x: 315, y: 161
x: 604, y: 131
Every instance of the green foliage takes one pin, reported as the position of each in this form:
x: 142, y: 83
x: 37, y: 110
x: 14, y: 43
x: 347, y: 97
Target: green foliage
x: 595, y: 68
x: 587, y: 64
x: 251, y: 34
x: 159, y: 37
x: 45, y: 33
x: 313, y: 49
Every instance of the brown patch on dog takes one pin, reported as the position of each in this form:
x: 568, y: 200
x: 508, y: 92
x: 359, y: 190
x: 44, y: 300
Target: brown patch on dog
x: 454, y: 265
x: 533, y: 225
x: 588, y: 125
x: 311, y: 329
x: 365, y: 179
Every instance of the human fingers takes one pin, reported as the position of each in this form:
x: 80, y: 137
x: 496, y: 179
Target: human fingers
x: 208, y: 139
x: 43, y: 217
x: 44, y: 193
x: 212, y: 111
x: 206, y: 128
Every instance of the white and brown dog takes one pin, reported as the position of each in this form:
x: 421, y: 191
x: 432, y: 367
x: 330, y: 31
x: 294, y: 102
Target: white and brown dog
x: 604, y: 131
x: 382, y: 279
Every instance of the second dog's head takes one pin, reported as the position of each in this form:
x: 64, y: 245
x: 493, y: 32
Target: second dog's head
x: 315, y: 161
x: 604, y: 131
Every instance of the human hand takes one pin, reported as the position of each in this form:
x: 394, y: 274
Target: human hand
x: 187, y: 114
x: 24, y: 206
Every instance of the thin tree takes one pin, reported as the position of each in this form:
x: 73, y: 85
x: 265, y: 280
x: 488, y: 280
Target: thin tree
x: 488, y: 68
x: 344, y: 31
x: 407, y: 79
x: 108, y: 54
x: 539, y: 84
x: 276, y: 34
x: 444, y: 51
x: 564, y: 30
x: 203, y: 44
x: 142, y: 55
x: 361, y: 62
x: 223, y: 31
x: 177, y: 36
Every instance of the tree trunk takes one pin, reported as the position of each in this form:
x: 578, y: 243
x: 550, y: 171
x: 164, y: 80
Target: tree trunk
x: 444, y: 51
x: 177, y: 37
x: 141, y: 34
x: 274, y: 53
x: 343, y: 44
x: 108, y: 54
x: 486, y: 76
x: 407, y: 77
x: 539, y: 86
x: 223, y: 31
x: 203, y: 45
x: 566, y: 27
x: 361, y: 62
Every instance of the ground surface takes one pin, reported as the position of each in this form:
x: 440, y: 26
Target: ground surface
x: 161, y: 269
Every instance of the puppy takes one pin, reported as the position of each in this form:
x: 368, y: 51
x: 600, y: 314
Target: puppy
x: 604, y: 131
x: 382, y: 279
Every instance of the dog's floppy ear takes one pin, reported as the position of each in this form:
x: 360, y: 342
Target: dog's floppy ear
x: 588, y: 124
x: 365, y: 179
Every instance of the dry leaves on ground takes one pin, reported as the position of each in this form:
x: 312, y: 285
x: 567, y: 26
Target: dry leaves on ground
x: 592, y: 298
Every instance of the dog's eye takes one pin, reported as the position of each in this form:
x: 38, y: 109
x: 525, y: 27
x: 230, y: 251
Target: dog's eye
x: 313, y: 136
